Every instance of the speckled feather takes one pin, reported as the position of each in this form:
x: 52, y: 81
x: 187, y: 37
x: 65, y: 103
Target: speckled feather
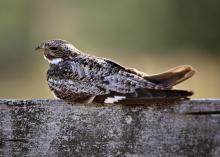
x: 86, y: 75
x: 74, y: 75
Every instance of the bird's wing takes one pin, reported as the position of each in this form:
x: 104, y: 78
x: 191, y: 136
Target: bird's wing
x: 144, y: 93
x: 166, y: 79
x: 144, y: 96
x: 173, y: 76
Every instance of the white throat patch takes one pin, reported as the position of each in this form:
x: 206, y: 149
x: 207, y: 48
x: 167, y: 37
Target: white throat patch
x: 54, y: 61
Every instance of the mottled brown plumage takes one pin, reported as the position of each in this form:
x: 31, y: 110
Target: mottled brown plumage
x: 76, y: 76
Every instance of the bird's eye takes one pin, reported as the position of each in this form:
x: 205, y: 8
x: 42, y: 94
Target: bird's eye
x: 53, y: 48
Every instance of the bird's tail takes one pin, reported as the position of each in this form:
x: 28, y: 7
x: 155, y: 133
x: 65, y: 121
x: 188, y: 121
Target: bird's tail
x: 144, y: 96
x: 172, y: 77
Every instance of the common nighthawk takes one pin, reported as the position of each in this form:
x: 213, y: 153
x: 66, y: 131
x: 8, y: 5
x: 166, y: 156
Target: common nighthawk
x: 75, y: 76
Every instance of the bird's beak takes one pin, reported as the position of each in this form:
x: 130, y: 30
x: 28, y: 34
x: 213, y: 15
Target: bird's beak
x: 41, y: 46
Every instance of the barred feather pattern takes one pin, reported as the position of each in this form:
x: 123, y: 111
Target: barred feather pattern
x: 77, y: 76
x: 89, y: 76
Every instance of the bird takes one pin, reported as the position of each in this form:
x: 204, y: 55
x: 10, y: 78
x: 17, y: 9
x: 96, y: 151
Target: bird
x: 78, y: 77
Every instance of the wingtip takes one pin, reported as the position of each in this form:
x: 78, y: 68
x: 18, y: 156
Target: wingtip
x: 173, y: 76
x: 189, y: 72
x: 186, y: 68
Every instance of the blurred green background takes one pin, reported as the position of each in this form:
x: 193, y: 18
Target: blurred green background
x: 150, y: 35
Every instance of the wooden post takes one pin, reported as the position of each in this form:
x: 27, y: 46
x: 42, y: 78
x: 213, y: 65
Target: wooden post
x: 54, y: 128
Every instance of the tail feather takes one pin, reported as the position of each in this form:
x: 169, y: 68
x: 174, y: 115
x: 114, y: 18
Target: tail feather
x: 144, y: 96
x: 172, y: 77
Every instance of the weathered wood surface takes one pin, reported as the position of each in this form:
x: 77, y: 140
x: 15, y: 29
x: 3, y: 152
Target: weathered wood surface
x: 54, y: 128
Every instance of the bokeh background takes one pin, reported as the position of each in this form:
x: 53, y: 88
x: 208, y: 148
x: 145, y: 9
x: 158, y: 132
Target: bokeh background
x: 150, y: 35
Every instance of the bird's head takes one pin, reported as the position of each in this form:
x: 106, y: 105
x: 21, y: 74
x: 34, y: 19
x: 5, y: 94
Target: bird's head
x: 57, y: 50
